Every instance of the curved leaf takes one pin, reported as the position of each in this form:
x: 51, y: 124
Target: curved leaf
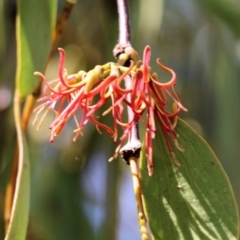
x: 20, y: 209
x: 193, y: 201
x: 35, y: 24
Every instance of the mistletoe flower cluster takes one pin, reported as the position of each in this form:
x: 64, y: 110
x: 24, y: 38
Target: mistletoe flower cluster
x: 87, y: 92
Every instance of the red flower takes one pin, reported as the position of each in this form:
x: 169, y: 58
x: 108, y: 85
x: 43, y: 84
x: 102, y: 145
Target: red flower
x: 68, y: 94
x: 87, y: 92
x: 148, y: 95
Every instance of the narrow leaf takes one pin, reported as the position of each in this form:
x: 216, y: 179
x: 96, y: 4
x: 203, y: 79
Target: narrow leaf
x: 35, y: 24
x: 20, y: 209
x: 193, y: 201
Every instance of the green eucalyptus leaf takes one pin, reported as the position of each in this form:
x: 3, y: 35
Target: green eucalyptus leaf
x: 35, y: 24
x: 17, y: 228
x: 193, y: 201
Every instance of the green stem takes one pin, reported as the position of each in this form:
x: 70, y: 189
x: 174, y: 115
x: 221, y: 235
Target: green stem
x: 138, y: 197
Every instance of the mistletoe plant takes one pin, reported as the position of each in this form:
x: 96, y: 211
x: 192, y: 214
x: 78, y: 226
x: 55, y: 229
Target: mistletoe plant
x: 177, y: 179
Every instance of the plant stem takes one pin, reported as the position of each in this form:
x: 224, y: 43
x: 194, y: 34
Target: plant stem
x: 134, y: 144
x: 123, y: 21
x: 135, y: 133
x: 132, y: 149
x: 138, y: 196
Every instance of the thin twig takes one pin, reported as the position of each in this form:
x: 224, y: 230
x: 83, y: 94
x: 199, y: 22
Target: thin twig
x: 124, y: 22
x: 138, y: 196
x: 61, y: 23
x: 132, y: 149
x: 134, y: 144
x: 135, y: 132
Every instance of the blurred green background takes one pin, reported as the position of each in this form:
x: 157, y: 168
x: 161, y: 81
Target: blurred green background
x: 75, y: 192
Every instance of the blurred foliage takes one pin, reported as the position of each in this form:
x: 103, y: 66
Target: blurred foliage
x: 199, y: 39
x: 28, y: 47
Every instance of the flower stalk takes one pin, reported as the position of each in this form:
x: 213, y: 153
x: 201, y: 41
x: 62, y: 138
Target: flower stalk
x: 123, y: 21
x: 124, y: 53
x: 138, y: 197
